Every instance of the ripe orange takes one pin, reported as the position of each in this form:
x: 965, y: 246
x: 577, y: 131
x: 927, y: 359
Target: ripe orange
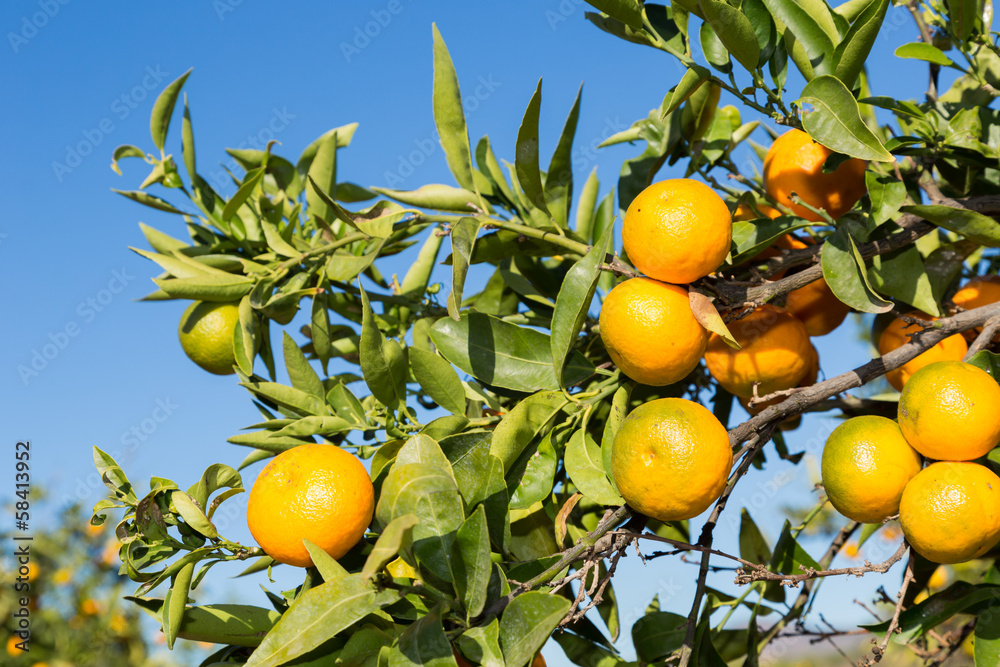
x: 950, y: 411
x: 745, y: 213
x: 792, y: 423
x: 677, y: 231
x: 794, y: 163
x: 866, y: 464
x: 898, y: 333
x: 671, y: 459
x: 206, y: 333
x: 818, y: 308
x: 978, y: 292
x: 650, y: 332
x: 12, y: 645
x: 316, y: 492
x: 950, y: 512
x: 776, y: 353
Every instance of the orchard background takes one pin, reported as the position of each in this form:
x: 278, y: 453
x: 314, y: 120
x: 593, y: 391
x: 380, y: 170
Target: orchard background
x: 86, y: 365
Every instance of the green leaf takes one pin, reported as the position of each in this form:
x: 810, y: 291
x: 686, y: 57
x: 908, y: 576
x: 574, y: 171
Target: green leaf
x: 480, y: 478
x: 816, y: 35
x: 437, y: 377
x: 435, y: 196
x: 324, y: 563
x: 887, y: 194
x: 322, y: 175
x: 987, y: 361
x: 149, y: 200
x: 734, y: 30
x: 344, y: 135
x: 845, y: 273
x: 531, y: 481
x: 559, y: 179
x: 481, y: 644
x: 715, y: 52
x: 347, y: 266
x: 122, y: 152
x: 959, y: 598
x: 363, y: 647
x: 316, y: 616
x: 526, y: 624
x: 585, y: 207
x: 574, y: 299
x: 924, y: 51
x: 901, y: 275
x: 463, y: 240
x: 234, y: 624
x: 193, y: 515
x: 175, y: 603
x: 628, y: 12
x: 835, y: 120
x: 395, y: 535
x: 520, y: 426
x: 209, y: 287
x: 970, y: 224
x: 789, y: 555
x: 753, y: 546
x: 431, y: 495
x: 288, y: 398
x: 375, y: 363
x: 616, y: 416
x: 656, y: 635
x: 852, y: 52
x: 302, y: 375
x: 986, y: 646
x: 526, y: 155
x: 473, y: 564
x: 689, y: 83
x: 245, y: 343
x: 964, y: 15
x: 423, y: 644
x: 250, y: 182
x: 503, y: 354
x: 163, y: 109
x: 945, y: 263
x: 449, y: 117
x: 585, y: 468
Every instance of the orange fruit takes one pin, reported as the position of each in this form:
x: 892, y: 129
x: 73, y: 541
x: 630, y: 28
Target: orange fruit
x: 792, y: 423
x: 898, y: 333
x: 950, y: 512
x: 12, y: 645
x: 950, y: 411
x: 206, y: 333
x: 315, y: 492
x: 978, y: 292
x: 677, y: 231
x: 90, y: 607
x: 650, y: 332
x: 671, y: 459
x: 794, y: 163
x: 866, y: 465
x: 818, y: 308
x: 775, y: 352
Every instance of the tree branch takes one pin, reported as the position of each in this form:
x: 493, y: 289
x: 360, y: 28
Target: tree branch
x: 879, y: 650
x: 761, y: 573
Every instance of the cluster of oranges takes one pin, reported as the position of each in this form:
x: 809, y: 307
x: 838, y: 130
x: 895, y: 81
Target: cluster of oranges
x: 672, y: 457
x: 949, y: 414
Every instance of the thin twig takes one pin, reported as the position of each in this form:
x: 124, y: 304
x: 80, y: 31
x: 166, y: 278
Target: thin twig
x: 879, y: 651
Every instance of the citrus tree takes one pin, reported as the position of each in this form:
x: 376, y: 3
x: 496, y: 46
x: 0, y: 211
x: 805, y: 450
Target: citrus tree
x: 523, y: 431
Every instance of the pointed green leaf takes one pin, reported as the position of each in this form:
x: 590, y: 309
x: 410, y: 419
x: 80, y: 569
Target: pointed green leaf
x: 628, y: 12
x: 585, y: 207
x: 463, y: 239
x: 520, y: 426
x: 123, y: 152
x: 527, y: 623
x: 374, y: 363
x: 187, y: 142
x: 734, y: 30
x: 435, y: 196
x: 302, y: 375
x: 845, y: 273
x: 924, y: 51
x: 250, y: 182
x: 835, y: 120
x: 526, y: 155
x: 149, y: 200
x: 449, y: 116
x: 901, y: 275
x: 887, y: 194
x: 316, y: 616
x: 323, y: 175
x: 163, y: 109
x: 392, y: 539
x: 324, y: 563
x: 585, y: 468
x: 574, y: 300
x: 853, y: 50
x: 437, y: 377
x: 559, y: 179
x: 531, y: 481
x: 689, y: 83
x: 473, y: 564
x: 504, y: 354
x: 423, y: 644
x: 970, y: 224
x: 175, y: 603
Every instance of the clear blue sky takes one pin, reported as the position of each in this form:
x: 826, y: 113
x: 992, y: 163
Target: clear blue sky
x: 79, y: 79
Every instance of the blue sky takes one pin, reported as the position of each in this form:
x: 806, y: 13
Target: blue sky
x: 80, y: 79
